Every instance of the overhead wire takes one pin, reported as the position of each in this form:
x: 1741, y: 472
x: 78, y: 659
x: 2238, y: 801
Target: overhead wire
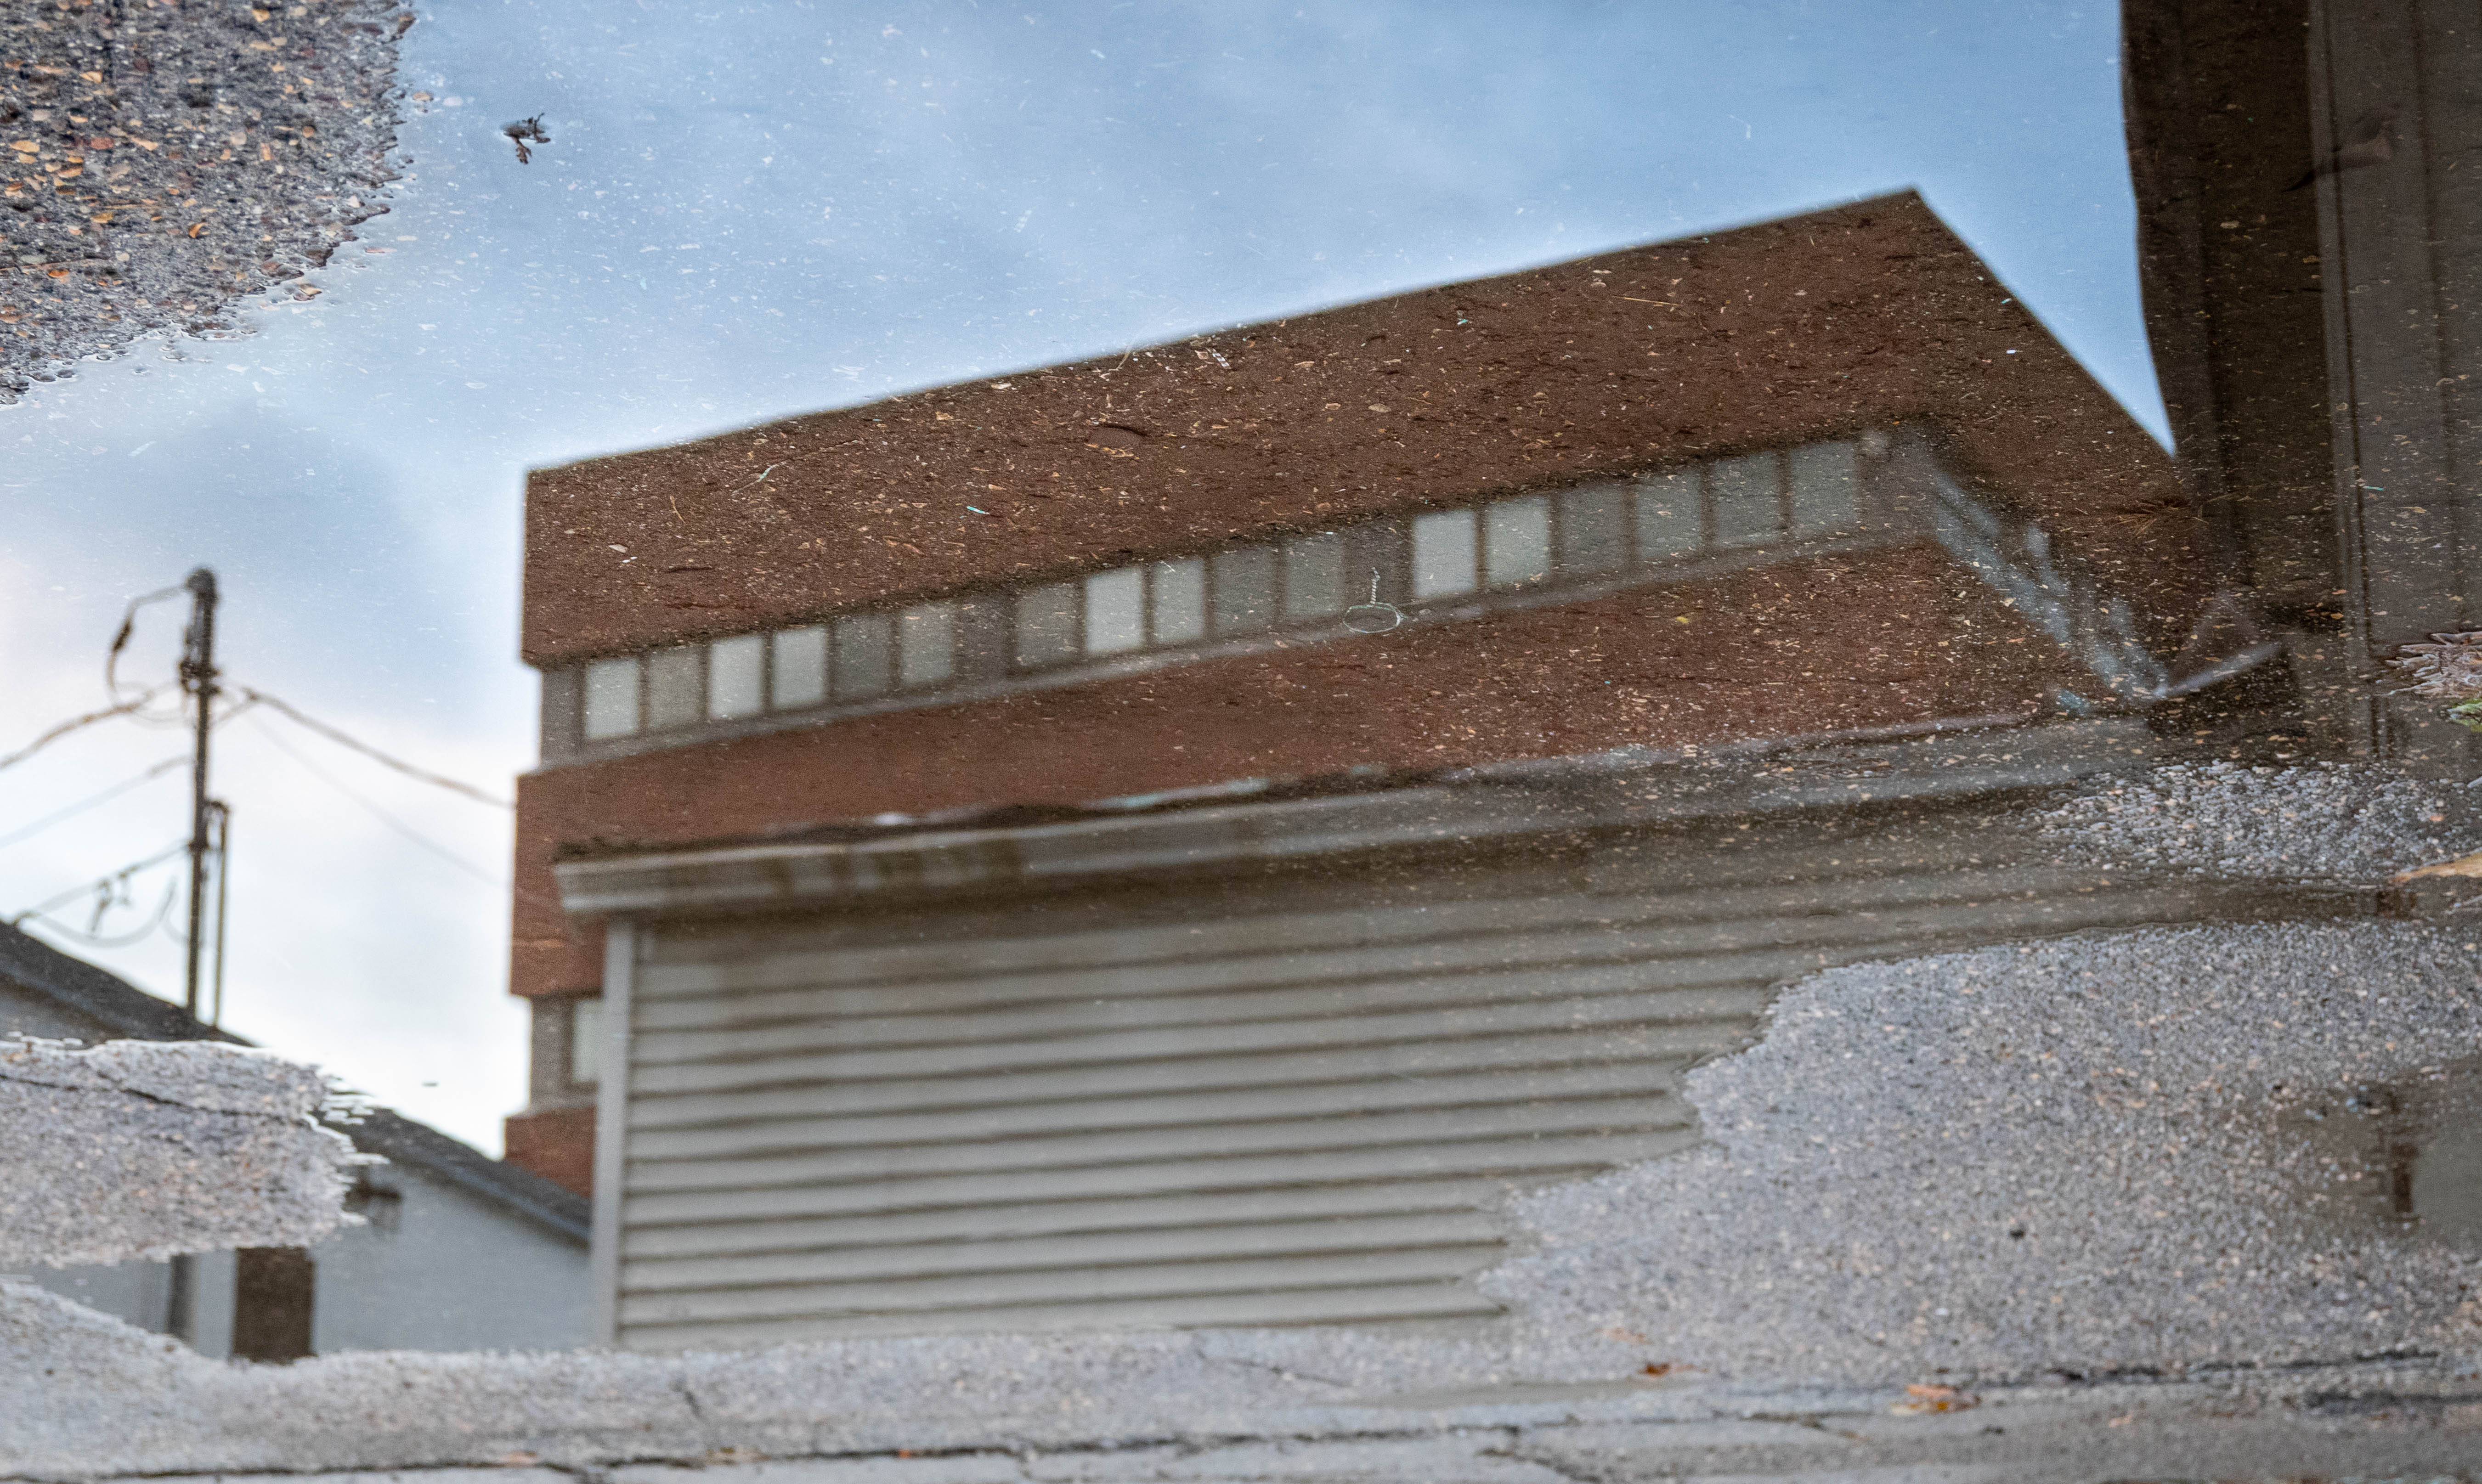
x: 388, y: 819
x: 101, y: 883
x: 77, y: 723
x: 155, y: 771
x: 113, y: 887
x: 295, y: 714
x: 128, y: 624
x: 163, y: 913
x: 71, y: 812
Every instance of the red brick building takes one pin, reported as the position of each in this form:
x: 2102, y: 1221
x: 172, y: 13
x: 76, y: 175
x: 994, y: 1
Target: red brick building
x: 1814, y: 480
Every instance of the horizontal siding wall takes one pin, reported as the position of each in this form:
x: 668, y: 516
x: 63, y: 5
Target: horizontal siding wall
x: 1275, y: 1101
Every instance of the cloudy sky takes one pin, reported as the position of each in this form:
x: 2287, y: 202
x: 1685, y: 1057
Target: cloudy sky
x: 752, y: 210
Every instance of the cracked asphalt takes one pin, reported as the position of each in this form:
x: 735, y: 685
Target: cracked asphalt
x: 2066, y: 1178
x: 162, y: 167
x: 2086, y: 1156
x: 141, y: 1150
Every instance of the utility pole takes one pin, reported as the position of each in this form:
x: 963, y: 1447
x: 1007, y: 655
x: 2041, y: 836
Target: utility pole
x: 223, y: 876
x: 198, y: 680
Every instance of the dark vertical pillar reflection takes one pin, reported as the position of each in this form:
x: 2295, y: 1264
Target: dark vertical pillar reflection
x: 2218, y: 108
x: 273, y: 1289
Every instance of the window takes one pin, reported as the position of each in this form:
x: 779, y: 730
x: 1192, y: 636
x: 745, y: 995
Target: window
x: 1443, y: 553
x: 1517, y: 541
x: 1749, y: 502
x: 1047, y: 625
x: 584, y: 1042
x: 800, y: 677
x: 1115, y: 611
x: 1669, y: 522
x: 612, y: 697
x: 674, y: 696
x: 1313, y: 575
x: 736, y: 677
x: 1826, y: 488
x: 1593, y: 530
x: 864, y: 655
x: 1244, y: 590
x: 1180, y: 601
x: 926, y: 645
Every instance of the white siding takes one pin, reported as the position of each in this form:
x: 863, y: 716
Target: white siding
x: 1271, y: 1100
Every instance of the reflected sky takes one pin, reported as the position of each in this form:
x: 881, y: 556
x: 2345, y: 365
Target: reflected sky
x: 747, y: 211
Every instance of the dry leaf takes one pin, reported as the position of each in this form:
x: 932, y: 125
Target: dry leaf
x: 2462, y: 865
x: 1934, y: 1399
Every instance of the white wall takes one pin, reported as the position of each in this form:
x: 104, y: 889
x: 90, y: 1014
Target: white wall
x: 437, y: 1269
x: 446, y: 1270
x: 139, y: 1293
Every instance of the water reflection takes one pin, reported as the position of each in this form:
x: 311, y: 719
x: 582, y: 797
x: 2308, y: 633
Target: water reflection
x: 1028, y: 902
x: 2400, y: 1155
x: 1178, y: 838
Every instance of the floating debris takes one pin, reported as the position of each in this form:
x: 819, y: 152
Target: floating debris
x: 2448, y: 667
x: 523, y: 131
x: 1934, y: 1398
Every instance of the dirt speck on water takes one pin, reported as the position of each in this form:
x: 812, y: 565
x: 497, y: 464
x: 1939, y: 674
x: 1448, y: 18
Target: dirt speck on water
x: 160, y: 166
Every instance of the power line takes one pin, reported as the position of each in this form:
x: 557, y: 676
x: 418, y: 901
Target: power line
x: 294, y: 714
x: 75, y: 723
x: 157, y: 770
x: 92, y: 799
x: 163, y: 911
x: 105, y: 882
x: 390, y: 820
x: 120, y: 637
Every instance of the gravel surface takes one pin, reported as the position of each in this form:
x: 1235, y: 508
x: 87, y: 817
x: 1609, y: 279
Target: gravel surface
x: 2081, y: 1155
x: 2339, y: 823
x: 145, y: 1148
x: 159, y: 164
x: 83, y: 1397
x: 2132, y: 1105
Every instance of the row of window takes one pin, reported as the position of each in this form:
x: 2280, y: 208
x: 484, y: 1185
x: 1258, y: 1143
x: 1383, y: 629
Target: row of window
x: 1362, y: 576
x: 856, y: 657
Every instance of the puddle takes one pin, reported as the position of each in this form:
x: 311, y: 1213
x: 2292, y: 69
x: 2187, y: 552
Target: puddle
x: 2402, y: 1156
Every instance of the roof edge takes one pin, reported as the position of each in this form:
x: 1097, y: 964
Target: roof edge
x: 100, y: 994
x: 1107, y: 360
x: 1501, y: 803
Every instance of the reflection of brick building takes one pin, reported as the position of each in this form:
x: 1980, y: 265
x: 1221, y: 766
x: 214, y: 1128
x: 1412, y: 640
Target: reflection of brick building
x: 844, y: 689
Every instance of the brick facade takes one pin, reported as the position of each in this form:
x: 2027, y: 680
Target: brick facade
x: 1824, y: 326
